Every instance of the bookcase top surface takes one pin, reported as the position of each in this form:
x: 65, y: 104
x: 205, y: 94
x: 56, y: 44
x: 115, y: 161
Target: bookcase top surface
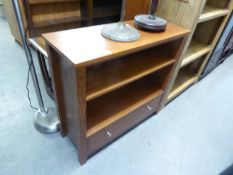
x: 85, y: 46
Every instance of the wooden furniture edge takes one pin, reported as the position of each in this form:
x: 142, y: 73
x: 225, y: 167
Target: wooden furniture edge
x: 122, y: 53
x: 57, y: 65
x: 186, y: 45
x: 171, y: 76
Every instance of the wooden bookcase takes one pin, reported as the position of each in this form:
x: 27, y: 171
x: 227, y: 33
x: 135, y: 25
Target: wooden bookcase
x: 206, y: 20
x: 186, y: 76
x: 42, y: 16
x: 53, y: 15
x: 221, y: 50
x: 104, y: 88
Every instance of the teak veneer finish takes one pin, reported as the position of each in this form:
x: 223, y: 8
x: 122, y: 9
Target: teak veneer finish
x: 144, y: 64
x: 104, y: 88
x: 99, y: 49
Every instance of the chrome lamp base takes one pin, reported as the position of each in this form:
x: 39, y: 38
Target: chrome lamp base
x: 120, y: 32
x: 47, y: 122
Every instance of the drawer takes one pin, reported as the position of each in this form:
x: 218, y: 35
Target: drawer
x: 111, y: 132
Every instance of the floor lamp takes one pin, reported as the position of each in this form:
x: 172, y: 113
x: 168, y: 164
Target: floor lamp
x: 46, y: 120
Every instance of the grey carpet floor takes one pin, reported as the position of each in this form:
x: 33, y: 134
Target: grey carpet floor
x: 191, y: 136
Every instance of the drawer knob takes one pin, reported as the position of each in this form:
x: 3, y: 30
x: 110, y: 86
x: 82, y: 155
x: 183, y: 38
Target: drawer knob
x: 150, y: 108
x: 109, y: 134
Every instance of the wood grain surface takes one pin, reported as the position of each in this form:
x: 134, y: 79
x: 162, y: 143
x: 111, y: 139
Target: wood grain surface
x: 86, y: 46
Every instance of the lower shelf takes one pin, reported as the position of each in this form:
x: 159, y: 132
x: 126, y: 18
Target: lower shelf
x: 186, y: 77
x: 195, y: 51
x: 111, y: 107
x: 55, y: 22
x: 183, y: 81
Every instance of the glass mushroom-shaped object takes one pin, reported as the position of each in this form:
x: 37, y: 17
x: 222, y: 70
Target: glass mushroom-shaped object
x: 120, y: 31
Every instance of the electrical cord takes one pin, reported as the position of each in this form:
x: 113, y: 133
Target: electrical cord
x: 28, y: 73
x: 30, y: 53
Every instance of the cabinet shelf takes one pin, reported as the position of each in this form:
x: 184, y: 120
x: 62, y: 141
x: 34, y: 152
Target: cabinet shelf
x: 125, y: 70
x: 195, y: 51
x: 109, y: 108
x: 55, y: 14
x: 211, y: 12
x: 55, y: 22
x: 184, y: 80
x: 205, y: 32
x: 32, y: 2
x: 186, y: 77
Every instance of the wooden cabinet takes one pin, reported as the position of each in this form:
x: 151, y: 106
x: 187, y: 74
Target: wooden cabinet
x: 206, y: 20
x: 11, y: 18
x: 53, y: 15
x: 223, y: 49
x: 104, y: 88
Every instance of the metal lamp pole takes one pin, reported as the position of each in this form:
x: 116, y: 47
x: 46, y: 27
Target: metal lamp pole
x: 46, y: 120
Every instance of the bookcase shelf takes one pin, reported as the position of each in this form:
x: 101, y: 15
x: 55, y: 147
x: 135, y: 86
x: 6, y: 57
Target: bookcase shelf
x: 51, y: 1
x: 109, y: 108
x: 195, y: 51
x: 200, y: 45
x: 205, y: 32
x: 56, y: 22
x: 55, y: 13
x: 211, y: 12
x: 46, y: 16
x: 206, y: 20
x: 120, y: 72
x: 186, y: 77
x: 183, y: 81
